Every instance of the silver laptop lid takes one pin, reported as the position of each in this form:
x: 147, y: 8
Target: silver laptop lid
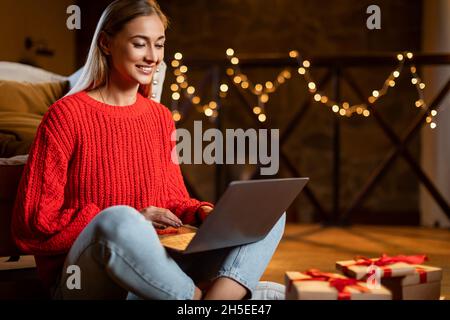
x: 246, y: 212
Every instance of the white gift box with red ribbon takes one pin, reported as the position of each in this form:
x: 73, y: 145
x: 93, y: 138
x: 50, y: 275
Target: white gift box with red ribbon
x: 330, y: 286
x: 406, y: 279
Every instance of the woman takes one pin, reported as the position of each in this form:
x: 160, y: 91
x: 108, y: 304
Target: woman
x: 100, y: 179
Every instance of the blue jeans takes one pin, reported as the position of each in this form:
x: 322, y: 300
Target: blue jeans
x: 120, y: 256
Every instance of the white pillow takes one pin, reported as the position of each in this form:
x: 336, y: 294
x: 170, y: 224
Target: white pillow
x: 14, y: 71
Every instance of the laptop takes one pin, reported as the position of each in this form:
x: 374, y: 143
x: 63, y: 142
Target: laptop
x: 245, y: 213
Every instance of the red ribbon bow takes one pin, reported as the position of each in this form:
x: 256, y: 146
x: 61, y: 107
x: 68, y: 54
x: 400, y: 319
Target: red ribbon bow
x: 340, y: 284
x: 385, y: 260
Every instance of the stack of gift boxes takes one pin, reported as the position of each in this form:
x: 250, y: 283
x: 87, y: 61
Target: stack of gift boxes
x: 384, y: 278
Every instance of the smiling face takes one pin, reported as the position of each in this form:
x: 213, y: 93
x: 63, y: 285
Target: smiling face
x: 136, y: 50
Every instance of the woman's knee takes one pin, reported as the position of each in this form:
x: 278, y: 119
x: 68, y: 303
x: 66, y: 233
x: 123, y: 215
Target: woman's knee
x: 118, y: 222
x: 278, y: 229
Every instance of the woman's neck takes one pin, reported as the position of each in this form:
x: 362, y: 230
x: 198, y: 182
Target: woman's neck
x: 117, y: 96
x: 118, y: 92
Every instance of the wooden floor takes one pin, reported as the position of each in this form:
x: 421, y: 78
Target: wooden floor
x: 312, y: 246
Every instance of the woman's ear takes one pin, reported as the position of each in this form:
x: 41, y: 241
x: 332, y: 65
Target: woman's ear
x: 104, y: 43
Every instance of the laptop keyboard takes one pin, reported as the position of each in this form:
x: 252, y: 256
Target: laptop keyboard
x: 177, y: 242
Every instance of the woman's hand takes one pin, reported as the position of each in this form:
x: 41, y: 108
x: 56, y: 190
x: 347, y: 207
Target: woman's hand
x: 204, y: 211
x: 161, y: 217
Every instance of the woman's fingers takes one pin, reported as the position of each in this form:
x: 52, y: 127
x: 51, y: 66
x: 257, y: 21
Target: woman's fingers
x: 166, y: 217
x: 158, y: 225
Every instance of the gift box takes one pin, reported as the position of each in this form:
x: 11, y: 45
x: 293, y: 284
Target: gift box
x: 405, y: 276
x: 360, y: 268
x: 424, y: 284
x: 316, y: 285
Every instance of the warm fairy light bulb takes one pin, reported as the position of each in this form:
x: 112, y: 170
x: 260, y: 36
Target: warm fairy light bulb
x: 223, y: 87
x: 180, y: 79
x: 301, y: 70
x: 174, y: 87
x: 422, y: 85
x: 280, y: 79
x: 428, y: 119
x: 175, y: 63
x: 306, y: 64
x: 433, y: 113
x: 208, y: 112
x: 311, y: 85
x: 414, y: 80
x: 376, y: 93
x: 183, y: 69
x: 184, y: 85
x: 342, y: 112
x: 359, y: 110
x: 293, y: 53
x: 324, y: 99
x: 396, y: 74
x: 286, y: 74
x: 317, y: 97
x: 419, y: 103
x: 269, y: 85
x: 366, y: 113
x: 256, y: 110
x: 230, y: 71
x: 244, y: 84
x: 237, y: 79
x: 196, y: 100
x: 258, y: 87
x: 230, y: 52
x: 264, y: 98
x: 432, y: 125
x: 234, y: 60
x: 372, y: 99
x: 400, y: 57
x: 177, y: 72
x: 191, y: 90
x: 176, y: 116
x: 212, y: 104
x: 262, y: 117
x: 391, y: 83
x: 413, y: 69
x: 409, y: 55
x: 346, y: 105
x: 335, y: 108
x: 178, y: 56
x: 175, y: 96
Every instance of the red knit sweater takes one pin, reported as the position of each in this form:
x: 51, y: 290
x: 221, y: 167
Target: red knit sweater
x: 88, y: 156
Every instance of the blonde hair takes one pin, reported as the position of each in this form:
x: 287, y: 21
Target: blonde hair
x: 114, y: 17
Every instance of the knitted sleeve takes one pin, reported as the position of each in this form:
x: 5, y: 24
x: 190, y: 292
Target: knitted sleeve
x: 40, y: 224
x: 179, y: 201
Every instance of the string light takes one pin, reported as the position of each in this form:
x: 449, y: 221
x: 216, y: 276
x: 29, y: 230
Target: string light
x: 176, y: 115
x: 175, y: 96
x: 190, y: 90
x: 262, y: 117
x: 263, y: 91
x: 183, y: 69
x: 223, y: 88
x: 178, y: 56
x: 345, y: 109
x: 182, y: 88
